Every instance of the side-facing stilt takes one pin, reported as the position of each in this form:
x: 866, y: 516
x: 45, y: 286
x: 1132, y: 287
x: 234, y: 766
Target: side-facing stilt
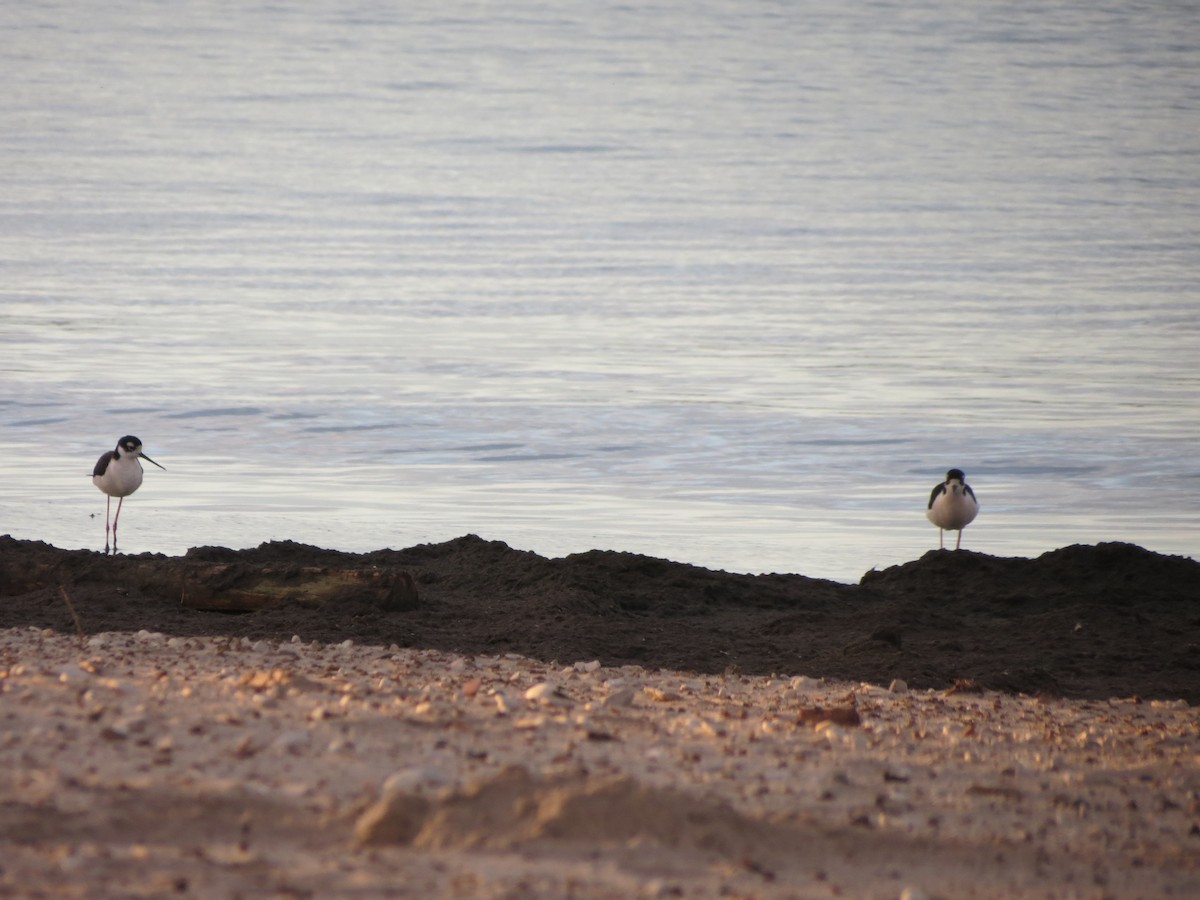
x: 118, y: 473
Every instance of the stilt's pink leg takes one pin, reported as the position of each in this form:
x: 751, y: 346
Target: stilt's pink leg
x: 107, y: 516
x: 115, y: 518
x: 957, y: 544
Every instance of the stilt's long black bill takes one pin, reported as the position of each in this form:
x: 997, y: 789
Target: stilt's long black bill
x: 149, y: 460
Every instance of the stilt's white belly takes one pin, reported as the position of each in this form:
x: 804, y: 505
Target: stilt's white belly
x: 953, y: 510
x: 120, y: 479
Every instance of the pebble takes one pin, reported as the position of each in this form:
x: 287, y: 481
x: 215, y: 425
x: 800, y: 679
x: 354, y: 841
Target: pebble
x: 74, y: 675
x: 624, y: 697
x: 245, y: 748
x: 547, y: 694
x: 293, y: 742
x: 804, y: 684
x: 132, y: 724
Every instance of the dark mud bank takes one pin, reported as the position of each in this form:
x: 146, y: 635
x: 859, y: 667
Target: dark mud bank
x: 1082, y: 621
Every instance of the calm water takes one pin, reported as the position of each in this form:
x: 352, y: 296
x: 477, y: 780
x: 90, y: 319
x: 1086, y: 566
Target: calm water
x: 732, y: 284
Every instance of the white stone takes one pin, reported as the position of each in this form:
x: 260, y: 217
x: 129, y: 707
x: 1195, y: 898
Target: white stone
x: 130, y: 725
x: 547, y: 695
x: 415, y: 780
x: 74, y: 675
x: 804, y: 684
x: 623, y: 697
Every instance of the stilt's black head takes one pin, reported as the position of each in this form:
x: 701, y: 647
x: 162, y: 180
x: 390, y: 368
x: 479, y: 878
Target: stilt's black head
x: 132, y: 446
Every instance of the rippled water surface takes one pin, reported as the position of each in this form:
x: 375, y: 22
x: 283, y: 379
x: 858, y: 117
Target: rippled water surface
x: 732, y: 284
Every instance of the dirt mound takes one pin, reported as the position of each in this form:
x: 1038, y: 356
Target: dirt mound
x: 1084, y: 621
x: 1111, y: 574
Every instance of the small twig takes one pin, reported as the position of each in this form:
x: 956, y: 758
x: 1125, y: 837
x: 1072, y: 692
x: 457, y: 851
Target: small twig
x: 74, y: 615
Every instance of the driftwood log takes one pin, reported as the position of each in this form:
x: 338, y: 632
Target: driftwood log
x: 233, y: 587
x: 208, y: 585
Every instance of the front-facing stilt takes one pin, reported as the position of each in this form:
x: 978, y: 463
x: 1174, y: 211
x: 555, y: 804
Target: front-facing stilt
x: 952, y: 505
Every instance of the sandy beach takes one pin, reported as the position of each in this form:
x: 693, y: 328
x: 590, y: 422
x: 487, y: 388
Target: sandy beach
x: 143, y: 765
x: 160, y: 761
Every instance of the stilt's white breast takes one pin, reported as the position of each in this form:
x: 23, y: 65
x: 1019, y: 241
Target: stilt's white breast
x: 121, y: 477
x: 953, y: 509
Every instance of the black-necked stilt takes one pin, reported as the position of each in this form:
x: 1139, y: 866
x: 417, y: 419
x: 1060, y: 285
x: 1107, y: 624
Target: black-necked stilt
x: 118, y: 473
x: 952, y: 506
